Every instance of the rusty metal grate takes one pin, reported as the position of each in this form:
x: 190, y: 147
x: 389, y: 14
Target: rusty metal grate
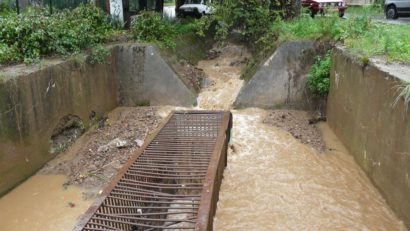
x: 172, y: 182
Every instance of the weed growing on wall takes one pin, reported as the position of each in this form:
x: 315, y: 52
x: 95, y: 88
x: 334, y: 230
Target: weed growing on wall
x: 98, y: 54
x: 403, y: 90
x: 319, y: 75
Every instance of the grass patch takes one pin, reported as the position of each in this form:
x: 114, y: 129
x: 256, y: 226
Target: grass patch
x: 390, y: 41
x: 169, y: 3
x: 372, y: 10
x: 362, y: 36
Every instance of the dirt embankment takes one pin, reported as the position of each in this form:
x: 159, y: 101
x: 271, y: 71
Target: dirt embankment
x: 300, y: 124
x: 98, y: 155
x: 191, y: 75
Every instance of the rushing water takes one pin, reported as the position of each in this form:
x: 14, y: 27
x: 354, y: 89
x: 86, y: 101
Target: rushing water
x: 272, y: 181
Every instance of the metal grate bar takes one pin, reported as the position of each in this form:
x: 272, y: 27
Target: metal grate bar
x: 172, y: 182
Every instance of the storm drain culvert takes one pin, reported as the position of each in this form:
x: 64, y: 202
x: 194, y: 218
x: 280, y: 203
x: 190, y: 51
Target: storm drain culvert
x: 172, y: 182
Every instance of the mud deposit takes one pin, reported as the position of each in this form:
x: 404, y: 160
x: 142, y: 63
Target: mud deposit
x: 102, y: 151
x: 191, y: 75
x: 297, y: 123
x: 57, y: 195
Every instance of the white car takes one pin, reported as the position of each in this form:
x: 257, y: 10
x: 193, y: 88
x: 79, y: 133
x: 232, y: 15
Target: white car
x: 195, y: 8
x: 397, y: 8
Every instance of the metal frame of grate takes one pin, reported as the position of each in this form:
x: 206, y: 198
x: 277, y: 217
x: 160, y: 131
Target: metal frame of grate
x: 172, y: 182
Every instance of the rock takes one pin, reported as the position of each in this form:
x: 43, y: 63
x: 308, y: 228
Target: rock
x: 213, y: 54
x: 115, y: 143
x: 139, y: 142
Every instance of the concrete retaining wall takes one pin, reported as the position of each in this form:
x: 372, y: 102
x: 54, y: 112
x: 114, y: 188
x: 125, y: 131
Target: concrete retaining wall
x: 281, y: 81
x: 377, y: 134
x: 145, y: 77
x: 33, y: 99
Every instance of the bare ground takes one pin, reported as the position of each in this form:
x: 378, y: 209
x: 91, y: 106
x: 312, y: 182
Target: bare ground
x: 191, y: 75
x: 98, y: 155
x: 297, y: 123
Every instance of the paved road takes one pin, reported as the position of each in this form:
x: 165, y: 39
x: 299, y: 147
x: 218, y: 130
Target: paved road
x: 398, y: 21
x: 382, y: 19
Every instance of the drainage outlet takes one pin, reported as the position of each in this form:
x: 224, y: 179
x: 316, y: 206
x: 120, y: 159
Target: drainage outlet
x: 172, y: 182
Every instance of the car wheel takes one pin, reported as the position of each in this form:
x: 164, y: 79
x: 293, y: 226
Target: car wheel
x: 391, y: 12
x: 181, y: 15
x: 199, y: 15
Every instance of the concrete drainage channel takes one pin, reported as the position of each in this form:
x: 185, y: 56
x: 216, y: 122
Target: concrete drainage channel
x: 172, y: 182
x: 157, y: 189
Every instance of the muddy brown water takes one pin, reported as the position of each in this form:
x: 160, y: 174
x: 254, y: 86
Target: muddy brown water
x: 272, y: 181
x: 41, y: 203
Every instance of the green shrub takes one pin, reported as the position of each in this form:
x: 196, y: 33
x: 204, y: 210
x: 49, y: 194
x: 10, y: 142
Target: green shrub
x: 192, y: 26
x: 6, y: 7
x: 319, y: 75
x: 34, y: 33
x: 98, y: 54
x: 252, y: 18
x: 8, y: 54
x: 149, y: 27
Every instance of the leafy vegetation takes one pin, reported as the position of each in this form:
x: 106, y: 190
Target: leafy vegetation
x: 6, y: 7
x: 251, y: 18
x: 149, y: 27
x: 98, y: 54
x: 319, y: 75
x: 169, y: 3
x: 263, y: 27
x: 363, y: 37
x: 34, y: 34
x: 253, y: 21
x: 371, y: 10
